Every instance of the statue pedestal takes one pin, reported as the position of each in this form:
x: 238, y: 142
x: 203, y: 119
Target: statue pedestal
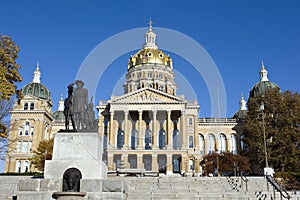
x: 82, y: 151
x: 68, y: 195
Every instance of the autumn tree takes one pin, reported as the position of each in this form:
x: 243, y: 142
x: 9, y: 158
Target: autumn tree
x: 282, y: 128
x: 9, y: 76
x: 43, y: 152
x: 225, y: 162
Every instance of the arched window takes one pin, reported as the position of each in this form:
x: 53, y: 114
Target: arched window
x: 232, y: 147
x: 211, y: 143
x: 120, y: 138
x: 243, y: 145
x: 176, y: 139
x: 134, y: 139
x: 201, y: 143
x: 190, y: 121
x: 20, y: 131
x: 162, y: 139
x: 26, y: 128
x: 191, y: 142
x: 25, y: 106
x: 18, y: 166
x: 148, y: 139
x: 222, y: 143
x: 191, y: 164
x: 26, y: 166
x: 31, y: 106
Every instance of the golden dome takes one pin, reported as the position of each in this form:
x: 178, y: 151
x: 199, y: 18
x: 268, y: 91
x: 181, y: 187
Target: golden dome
x: 150, y: 56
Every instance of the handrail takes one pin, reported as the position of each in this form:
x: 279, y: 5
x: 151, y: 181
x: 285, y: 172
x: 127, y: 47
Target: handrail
x: 244, y: 179
x: 282, y: 191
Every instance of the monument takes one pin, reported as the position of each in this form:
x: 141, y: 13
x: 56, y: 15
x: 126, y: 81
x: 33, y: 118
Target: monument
x: 77, y: 152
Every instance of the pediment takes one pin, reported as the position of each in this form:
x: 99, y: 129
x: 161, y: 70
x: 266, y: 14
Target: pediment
x: 147, y: 95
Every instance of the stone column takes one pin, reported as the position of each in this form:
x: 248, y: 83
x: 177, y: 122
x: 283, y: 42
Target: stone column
x: 140, y: 164
x: 169, y: 130
x: 154, y: 162
x: 196, y: 138
x: 183, y: 130
x: 140, y: 133
x: 110, y: 163
x: 154, y: 131
x: 111, y: 138
x: 169, y: 167
x: 205, y: 144
x: 126, y: 132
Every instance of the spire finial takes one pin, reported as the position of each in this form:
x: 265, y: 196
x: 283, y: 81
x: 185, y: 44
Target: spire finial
x: 61, y: 103
x: 150, y: 37
x: 263, y: 72
x: 242, y: 103
x: 262, y: 64
x: 37, y: 74
x: 150, y: 24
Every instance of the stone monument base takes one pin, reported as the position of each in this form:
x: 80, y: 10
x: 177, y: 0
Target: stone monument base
x: 68, y: 195
x: 82, y: 151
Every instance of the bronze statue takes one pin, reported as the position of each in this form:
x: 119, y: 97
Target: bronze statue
x: 68, y: 111
x: 80, y: 104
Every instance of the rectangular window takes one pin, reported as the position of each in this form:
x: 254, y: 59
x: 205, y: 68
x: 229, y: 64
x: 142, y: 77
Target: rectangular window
x: 24, y: 147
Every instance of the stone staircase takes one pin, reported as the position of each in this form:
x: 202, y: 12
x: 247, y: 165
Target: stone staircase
x: 200, y: 188
x: 9, y: 186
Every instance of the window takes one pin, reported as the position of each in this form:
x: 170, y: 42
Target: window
x: 32, y: 130
x: 190, y: 121
x: 25, y: 106
x: 191, y: 142
x: 176, y: 139
x: 27, y: 128
x: 20, y: 131
x: 191, y: 164
x: 162, y: 139
x: 150, y: 75
x: 24, y: 147
x: 26, y: 166
x: 222, y: 143
x: 161, y: 88
x: 232, y: 147
x: 31, y: 106
x: 201, y: 143
x: 120, y: 139
x: 30, y: 146
x: 19, y: 147
x: 160, y: 75
x: 211, y: 143
x: 134, y: 137
x: 148, y: 139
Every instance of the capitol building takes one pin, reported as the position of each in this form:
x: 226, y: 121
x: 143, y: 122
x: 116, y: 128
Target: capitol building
x: 149, y: 127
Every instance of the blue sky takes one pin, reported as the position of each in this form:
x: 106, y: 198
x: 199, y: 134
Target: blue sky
x: 236, y: 34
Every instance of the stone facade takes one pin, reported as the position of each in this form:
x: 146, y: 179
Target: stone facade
x: 151, y: 127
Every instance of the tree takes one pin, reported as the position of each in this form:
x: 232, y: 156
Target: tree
x: 43, y: 152
x: 9, y: 75
x: 225, y: 162
x: 282, y: 127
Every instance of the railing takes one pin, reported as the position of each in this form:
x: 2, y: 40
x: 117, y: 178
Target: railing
x: 277, y: 187
x: 244, y: 180
x: 216, y: 120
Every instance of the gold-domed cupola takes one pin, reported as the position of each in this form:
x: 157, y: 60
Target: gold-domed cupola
x: 150, y: 54
x: 150, y: 67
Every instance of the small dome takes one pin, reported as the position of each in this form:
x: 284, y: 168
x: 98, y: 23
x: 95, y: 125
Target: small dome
x: 58, y: 116
x: 149, y: 56
x: 264, y: 84
x: 37, y: 90
x: 240, y: 115
x: 260, y: 88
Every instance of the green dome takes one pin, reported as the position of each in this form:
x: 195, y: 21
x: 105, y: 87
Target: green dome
x: 36, y: 90
x: 260, y: 88
x: 240, y: 115
x: 58, y: 116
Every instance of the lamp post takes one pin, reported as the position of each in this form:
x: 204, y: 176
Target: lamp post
x: 262, y: 107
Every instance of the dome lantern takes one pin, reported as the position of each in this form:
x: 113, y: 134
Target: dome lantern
x: 37, y: 74
x: 150, y: 38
